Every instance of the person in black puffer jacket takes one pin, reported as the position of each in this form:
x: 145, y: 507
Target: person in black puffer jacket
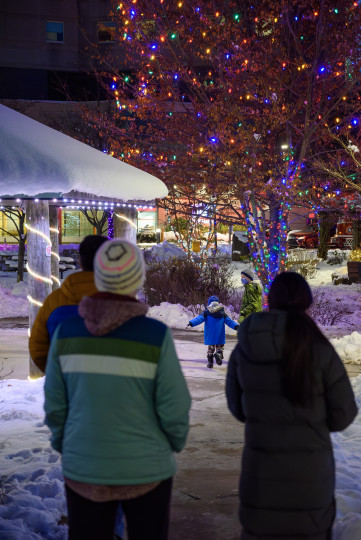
x: 286, y: 382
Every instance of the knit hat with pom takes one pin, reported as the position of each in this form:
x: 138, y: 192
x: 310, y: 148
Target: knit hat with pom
x: 119, y: 267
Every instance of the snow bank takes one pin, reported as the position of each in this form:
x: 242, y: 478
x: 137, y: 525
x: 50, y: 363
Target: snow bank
x: 174, y: 315
x: 164, y: 251
x: 13, y: 302
x: 349, y: 348
x: 224, y: 249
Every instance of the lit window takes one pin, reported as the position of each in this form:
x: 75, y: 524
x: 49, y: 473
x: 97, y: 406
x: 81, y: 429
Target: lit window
x: 75, y: 224
x: 147, y: 221
x: 54, y: 31
x: 106, y: 31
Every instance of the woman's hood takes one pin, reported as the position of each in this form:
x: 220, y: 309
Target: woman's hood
x: 102, y: 315
x: 261, y: 336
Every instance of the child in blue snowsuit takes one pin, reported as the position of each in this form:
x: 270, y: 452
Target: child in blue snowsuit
x: 214, y: 318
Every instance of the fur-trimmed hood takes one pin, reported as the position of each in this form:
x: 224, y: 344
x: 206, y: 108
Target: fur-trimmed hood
x: 214, y: 308
x: 103, y: 312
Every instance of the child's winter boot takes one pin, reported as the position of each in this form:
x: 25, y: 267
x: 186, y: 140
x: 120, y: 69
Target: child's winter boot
x: 219, y: 356
x: 210, y: 360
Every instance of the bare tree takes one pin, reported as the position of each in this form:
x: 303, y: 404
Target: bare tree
x: 17, y: 217
x: 99, y: 222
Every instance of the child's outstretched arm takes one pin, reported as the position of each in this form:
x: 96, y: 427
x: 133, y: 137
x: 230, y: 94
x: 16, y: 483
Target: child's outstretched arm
x: 197, y: 320
x: 232, y: 324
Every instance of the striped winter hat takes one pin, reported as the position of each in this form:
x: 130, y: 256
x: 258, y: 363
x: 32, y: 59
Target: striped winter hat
x: 119, y: 267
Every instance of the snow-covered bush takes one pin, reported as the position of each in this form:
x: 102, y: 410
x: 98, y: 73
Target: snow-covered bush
x: 303, y: 261
x: 326, y: 311
x: 234, y: 304
x: 336, y: 256
x: 180, y: 281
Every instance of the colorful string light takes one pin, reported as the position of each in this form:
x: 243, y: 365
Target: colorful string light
x: 234, y: 64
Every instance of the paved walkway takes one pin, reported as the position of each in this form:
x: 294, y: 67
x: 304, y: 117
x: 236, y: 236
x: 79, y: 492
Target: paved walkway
x: 205, y: 495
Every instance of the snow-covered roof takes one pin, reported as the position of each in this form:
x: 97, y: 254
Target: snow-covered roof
x: 37, y: 160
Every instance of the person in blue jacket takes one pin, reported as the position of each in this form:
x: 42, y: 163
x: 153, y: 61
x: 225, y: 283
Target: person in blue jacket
x: 214, y: 318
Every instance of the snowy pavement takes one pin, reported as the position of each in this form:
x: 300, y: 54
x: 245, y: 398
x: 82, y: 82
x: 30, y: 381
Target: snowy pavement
x: 205, y: 499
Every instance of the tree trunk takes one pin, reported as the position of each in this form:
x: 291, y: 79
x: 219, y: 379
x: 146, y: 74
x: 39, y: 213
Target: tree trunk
x: 326, y: 222
x: 39, y: 262
x: 230, y: 234
x: 268, y: 251
x: 215, y: 236
x: 21, y: 257
x: 21, y: 252
x: 356, y: 234
x: 54, y: 237
x: 125, y: 224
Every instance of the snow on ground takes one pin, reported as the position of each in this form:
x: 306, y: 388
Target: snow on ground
x: 13, y: 301
x: 31, y: 488
x: 349, y: 348
x: 348, y: 473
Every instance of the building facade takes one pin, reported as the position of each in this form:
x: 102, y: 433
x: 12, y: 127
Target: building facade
x: 43, y: 47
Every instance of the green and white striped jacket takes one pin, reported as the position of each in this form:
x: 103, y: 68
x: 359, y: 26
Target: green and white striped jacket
x: 117, y: 404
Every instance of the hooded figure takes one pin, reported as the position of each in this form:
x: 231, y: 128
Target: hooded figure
x: 286, y: 382
x: 214, y: 318
x: 117, y: 404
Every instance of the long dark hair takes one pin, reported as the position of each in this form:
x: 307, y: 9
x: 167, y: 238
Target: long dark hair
x: 290, y: 292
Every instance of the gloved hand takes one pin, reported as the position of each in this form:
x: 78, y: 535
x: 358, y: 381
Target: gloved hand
x: 189, y: 324
x: 236, y: 327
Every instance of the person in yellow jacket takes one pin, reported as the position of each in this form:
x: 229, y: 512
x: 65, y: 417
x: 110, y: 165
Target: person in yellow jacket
x: 63, y: 302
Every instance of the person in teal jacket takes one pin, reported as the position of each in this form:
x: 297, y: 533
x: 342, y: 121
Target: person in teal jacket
x: 215, y: 319
x: 117, y: 405
x: 252, y: 296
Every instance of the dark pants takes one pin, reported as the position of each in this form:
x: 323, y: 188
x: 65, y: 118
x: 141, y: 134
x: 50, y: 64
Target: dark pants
x: 213, y: 348
x: 147, y: 516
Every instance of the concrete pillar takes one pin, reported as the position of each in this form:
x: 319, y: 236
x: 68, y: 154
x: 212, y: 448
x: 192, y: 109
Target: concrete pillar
x: 39, y: 262
x: 125, y: 223
x: 54, y: 237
